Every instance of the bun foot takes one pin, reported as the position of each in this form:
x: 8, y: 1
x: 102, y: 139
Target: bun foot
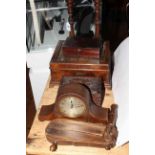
x: 53, y: 147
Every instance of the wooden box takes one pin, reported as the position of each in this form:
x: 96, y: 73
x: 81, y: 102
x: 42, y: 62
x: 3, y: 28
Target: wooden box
x: 62, y: 65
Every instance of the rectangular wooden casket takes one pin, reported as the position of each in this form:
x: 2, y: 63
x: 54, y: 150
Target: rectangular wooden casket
x: 63, y: 65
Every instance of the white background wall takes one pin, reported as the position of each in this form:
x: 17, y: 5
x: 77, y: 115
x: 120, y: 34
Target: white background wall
x: 38, y: 62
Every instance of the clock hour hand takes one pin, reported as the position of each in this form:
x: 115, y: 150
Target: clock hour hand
x: 71, y: 104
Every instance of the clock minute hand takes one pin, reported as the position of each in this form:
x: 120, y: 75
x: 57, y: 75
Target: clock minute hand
x: 78, y: 106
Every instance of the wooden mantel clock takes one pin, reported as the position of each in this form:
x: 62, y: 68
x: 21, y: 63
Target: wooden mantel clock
x: 81, y: 67
x: 77, y: 116
x: 74, y: 101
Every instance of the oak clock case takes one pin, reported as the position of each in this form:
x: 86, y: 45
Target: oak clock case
x: 74, y: 101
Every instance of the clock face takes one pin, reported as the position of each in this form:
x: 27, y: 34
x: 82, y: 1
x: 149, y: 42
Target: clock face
x: 71, y: 106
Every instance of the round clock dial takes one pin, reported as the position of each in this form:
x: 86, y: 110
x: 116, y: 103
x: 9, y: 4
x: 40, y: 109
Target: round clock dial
x: 71, y: 106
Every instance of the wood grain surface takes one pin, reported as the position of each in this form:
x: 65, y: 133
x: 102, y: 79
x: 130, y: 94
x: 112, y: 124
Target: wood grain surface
x: 38, y: 145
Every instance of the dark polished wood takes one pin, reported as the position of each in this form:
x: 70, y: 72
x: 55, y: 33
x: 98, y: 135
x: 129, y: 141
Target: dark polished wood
x: 97, y: 18
x: 82, y: 47
x: 62, y: 65
x: 115, y: 22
